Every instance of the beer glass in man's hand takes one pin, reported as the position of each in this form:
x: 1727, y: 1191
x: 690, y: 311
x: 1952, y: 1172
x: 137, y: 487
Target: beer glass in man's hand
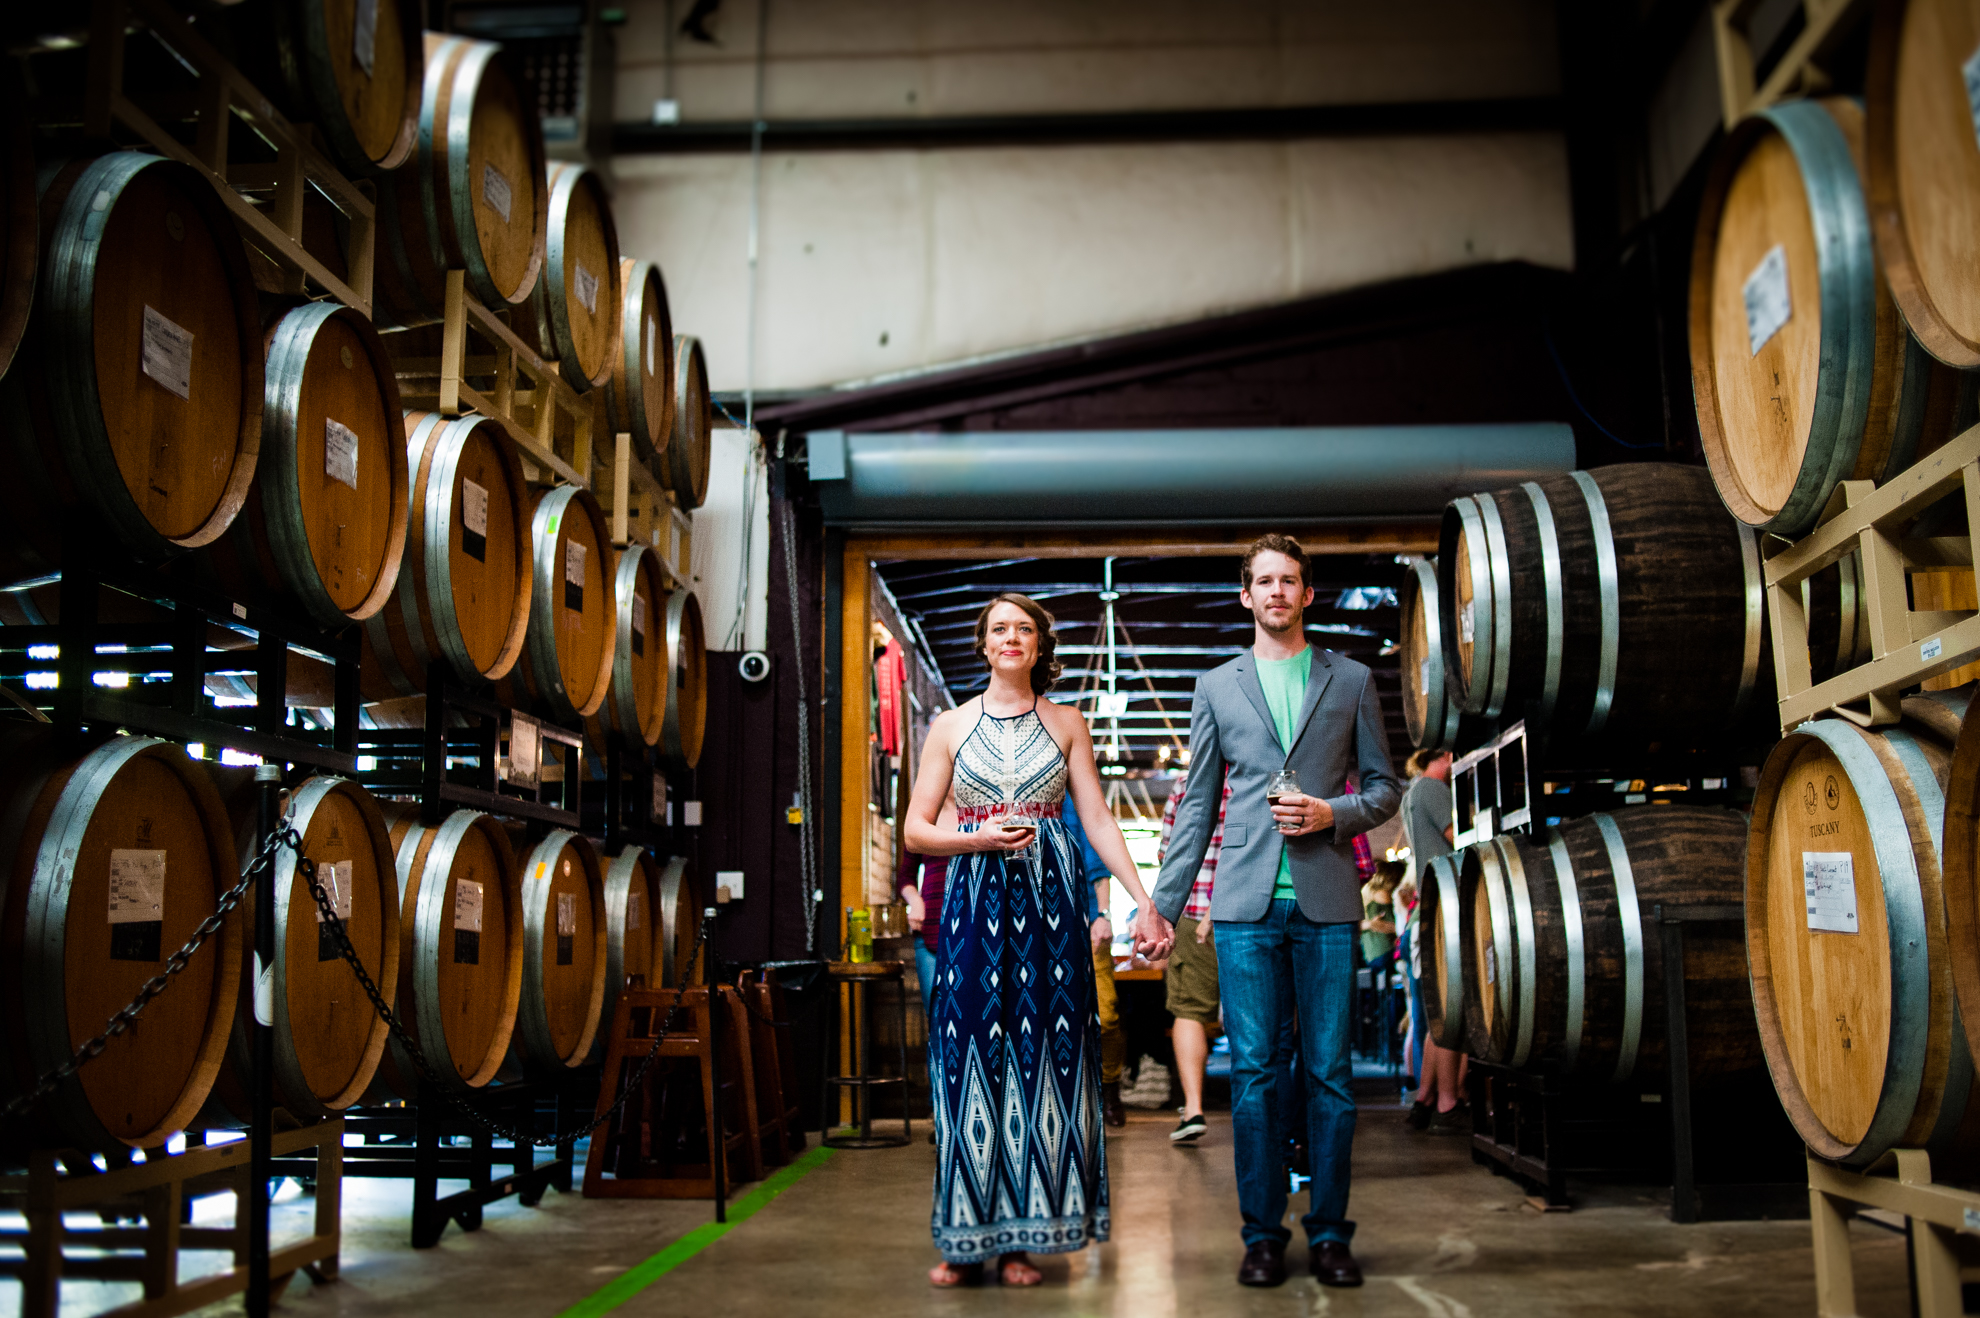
x: 1282, y: 784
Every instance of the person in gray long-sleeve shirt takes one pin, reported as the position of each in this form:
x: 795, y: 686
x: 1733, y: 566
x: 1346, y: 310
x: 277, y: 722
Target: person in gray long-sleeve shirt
x: 1288, y: 901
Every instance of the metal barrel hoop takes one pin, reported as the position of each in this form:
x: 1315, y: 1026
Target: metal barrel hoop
x: 1577, y: 950
x: 1491, y: 874
x: 1554, y: 584
x: 1608, y: 581
x: 1477, y: 689
x: 1629, y: 915
x: 1527, y: 952
x: 1755, y: 598
x: 1502, y: 623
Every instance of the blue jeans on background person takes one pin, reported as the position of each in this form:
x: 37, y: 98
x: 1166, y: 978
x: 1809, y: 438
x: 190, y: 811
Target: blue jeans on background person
x: 1267, y: 970
x: 1417, y: 1025
x: 924, y: 970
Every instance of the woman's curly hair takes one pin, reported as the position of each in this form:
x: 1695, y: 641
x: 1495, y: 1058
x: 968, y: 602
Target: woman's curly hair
x: 1046, y: 671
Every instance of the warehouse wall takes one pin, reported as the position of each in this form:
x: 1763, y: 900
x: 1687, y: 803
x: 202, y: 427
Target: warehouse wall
x: 879, y: 261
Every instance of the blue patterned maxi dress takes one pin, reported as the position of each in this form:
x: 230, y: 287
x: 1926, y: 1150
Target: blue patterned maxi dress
x: 1014, y: 1048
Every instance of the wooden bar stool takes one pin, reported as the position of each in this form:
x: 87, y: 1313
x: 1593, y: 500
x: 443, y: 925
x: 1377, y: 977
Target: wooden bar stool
x: 860, y: 975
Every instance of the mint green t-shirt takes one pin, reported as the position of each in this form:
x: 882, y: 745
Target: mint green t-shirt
x: 1284, y: 681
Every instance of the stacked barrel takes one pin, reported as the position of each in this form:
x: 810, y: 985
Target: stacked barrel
x: 1835, y: 335
x: 160, y: 387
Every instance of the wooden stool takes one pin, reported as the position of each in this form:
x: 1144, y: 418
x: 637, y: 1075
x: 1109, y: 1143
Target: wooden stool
x: 771, y: 1113
x: 859, y: 975
x: 772, y: 1002
x: 628, y: 1141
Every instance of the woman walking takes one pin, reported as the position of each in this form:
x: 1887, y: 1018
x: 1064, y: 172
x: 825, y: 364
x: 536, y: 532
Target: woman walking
x: 1014, y: 1046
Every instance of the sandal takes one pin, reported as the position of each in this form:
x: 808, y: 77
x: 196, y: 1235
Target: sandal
x: 947, y: 1276
x: 1016, y: 1270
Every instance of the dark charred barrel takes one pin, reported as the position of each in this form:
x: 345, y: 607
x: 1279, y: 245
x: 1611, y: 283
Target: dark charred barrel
x: 1623, y: 603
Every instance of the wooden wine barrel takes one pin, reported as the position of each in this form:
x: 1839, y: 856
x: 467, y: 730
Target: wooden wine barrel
x: 1443, y: 984
x: 634, y: 930
x: 328, y: 1039
x: 20, y: 226
x: 473, y: 198
x: 325, y: 524
x: 465, y: 586
x: 460, y: 951
x: 112, y: 853
x: 574, y: 612
x: 640, y: 394
x: 577, y: 301
x: 151, y: 354
x: 1560, y: 938
x: 353, y: 72
x: 564, y: 953
x: 684, y: 464
x: 1804, y: 374
x: 1922, y: 170
x: 1847, y: 936
x: 1624, y: 601
x: 636, y: 702
x: 1961, y: 852
x: 1431, y: 717
x: 686, y: 710
x: 680, y: 927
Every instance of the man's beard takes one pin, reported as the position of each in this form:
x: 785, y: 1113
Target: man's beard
x: 1292, y: 627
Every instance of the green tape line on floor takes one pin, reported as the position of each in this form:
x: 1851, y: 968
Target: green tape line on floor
x: 641, y: 1275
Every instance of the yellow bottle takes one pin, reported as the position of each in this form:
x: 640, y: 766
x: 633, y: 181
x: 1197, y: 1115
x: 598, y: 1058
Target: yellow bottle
x: 859, y: 935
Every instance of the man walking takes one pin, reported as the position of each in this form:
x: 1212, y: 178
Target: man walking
x: 1287, y: 903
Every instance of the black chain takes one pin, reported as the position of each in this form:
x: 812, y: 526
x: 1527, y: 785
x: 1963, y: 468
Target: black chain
x: 287, y: 836
x: 154, y: 986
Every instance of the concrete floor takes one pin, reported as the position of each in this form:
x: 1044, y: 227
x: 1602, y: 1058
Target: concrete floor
x: 1439, y: 1238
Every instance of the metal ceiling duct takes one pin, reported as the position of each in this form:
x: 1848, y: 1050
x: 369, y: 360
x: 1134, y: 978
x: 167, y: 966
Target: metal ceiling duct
x: 1290, y: 474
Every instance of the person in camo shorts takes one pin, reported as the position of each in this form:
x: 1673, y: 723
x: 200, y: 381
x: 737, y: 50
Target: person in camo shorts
x: 1191, y: 980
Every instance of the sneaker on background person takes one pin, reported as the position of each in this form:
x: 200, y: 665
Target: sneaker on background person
x: 1190, y: 1129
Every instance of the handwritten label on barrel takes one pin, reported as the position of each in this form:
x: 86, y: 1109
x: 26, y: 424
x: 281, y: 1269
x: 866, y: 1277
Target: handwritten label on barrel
x: 574, y: 555
x: 587, y: 289
x: 137, y: 904
x: 468, y: 900
x: 496, y: 192
x: 167, y: 354
x: 364, y: 36
x: 1828, y: 878
x: 1767, y: 304
x: 1467, y: 627
x: 335, y: 876
x: 340, y: 449
x: 1971, y: 72
x: 474, y: 521
x: 566, y: 928
x: 639, y: 624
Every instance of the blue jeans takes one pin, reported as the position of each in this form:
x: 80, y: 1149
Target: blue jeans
x: 924, y: 970
x: 1267, y: 970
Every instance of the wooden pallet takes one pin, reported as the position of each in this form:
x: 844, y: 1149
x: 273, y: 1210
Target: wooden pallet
x: 1900, y: 1183
x: 156, y: 1192
x: 1799, y: 73
x: 224, y: 95
x: 1907, y: 645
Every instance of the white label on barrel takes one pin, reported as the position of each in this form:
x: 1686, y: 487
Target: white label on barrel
x: 495, y: 191
x: 1829, y: 880
x: 1932, y: 649
x: 566, y: 915
x: 587, y: 289
x: 364, y: 36
x: 1491, y: 967
x: 1767, y: 304
x: 340, y: 446
x: 652, y: 333
x: 467, y: 905
x: 167, y: 355
x: 659, y: 797
x: 1423, y: 675
x: 335, y: 876
x: 1972, y: 71
x: 639, y: 615
x: 137, y: 886
x: 1466, y: 627
x: 635, y: 909
x: 474, y: 507
x: 574, y: 553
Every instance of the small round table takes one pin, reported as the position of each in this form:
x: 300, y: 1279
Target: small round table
x: 858, y: 976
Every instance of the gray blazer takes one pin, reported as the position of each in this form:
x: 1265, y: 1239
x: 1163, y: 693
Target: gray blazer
x: 1230, y: 725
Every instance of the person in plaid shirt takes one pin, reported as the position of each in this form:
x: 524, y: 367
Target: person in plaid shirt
x: 1191, y: 980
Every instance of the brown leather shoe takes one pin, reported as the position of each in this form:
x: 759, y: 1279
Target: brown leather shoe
x: 1110, y: 1104
x: 1333, y: 1265
x: 1264, y: 1265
